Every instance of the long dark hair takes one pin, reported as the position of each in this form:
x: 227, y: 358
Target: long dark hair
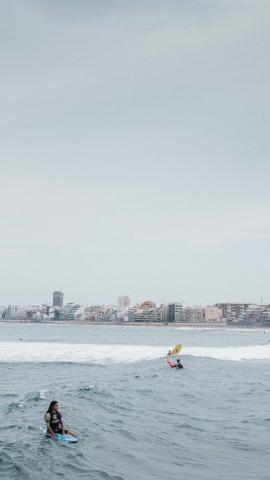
x: 52, y: 404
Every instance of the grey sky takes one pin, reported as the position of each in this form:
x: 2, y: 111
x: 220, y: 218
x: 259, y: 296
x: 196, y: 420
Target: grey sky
x: 135, y: 150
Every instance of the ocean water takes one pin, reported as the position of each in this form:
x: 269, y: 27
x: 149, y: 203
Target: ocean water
x: 136, y: 418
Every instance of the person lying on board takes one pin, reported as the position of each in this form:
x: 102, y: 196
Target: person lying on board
x: 178, y: 364
x: 175, y: 365
x: 54, y: 422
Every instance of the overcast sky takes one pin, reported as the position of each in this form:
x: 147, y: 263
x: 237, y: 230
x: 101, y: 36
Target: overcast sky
x: 135, y: 150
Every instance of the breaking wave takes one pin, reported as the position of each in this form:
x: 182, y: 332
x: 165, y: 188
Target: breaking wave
x: 250, y: 352
x: 11, y: 352
x: 44, y: 352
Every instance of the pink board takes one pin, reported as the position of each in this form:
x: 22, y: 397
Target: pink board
x: 170, y: 362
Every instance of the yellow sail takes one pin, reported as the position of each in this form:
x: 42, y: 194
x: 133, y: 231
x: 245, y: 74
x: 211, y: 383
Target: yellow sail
x: 176, y: 350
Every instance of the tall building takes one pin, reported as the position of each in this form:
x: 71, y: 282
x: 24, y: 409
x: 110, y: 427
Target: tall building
x: 123, y: 302
x: 174, y: 311
x: 58, y: 298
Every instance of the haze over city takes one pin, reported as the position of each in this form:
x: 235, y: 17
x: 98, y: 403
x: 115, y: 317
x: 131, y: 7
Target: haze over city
x: 135, y: 151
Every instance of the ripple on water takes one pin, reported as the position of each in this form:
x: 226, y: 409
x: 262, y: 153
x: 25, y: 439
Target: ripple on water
x: 11, y: 468
x: 15, y: 405
x: 102, y: 475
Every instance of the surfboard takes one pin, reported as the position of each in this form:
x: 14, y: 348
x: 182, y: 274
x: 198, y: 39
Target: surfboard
x: 59, y: 437
x: 65, y: 438
x: 177, y: 349
x: 171, y: 363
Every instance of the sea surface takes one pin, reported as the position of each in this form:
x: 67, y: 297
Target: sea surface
x: 135, y: 417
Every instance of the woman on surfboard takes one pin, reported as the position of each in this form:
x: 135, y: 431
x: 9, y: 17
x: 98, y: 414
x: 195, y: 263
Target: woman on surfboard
x: 54, y: 422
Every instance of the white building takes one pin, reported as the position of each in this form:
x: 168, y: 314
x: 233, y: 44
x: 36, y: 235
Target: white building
x: 123, y: 302
x: 68, y: 311
x: 212, y: 314
x: 146, y: 312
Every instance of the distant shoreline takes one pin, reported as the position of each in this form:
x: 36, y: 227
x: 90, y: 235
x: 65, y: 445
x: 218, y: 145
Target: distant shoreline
x: 191, y: 325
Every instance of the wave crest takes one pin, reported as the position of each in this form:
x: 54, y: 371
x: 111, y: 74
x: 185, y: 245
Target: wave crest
x: 43, y: 352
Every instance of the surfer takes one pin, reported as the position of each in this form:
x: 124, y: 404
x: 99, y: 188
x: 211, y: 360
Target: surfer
x: 169, y: 352
x: 54, y: 422
x: 178, y: 364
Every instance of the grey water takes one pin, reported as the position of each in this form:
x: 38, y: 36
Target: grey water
x: 135, y: 419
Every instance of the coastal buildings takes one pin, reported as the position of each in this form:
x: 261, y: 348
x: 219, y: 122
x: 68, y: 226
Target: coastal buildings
x: 123, y: 304
x: 255, y: 315
x: 266, y: 317
x: 15, y: 312
x: 232, y: 311
x: 69, y: 311
x: 31, y: 313
x: 146, y: 312
x: 212, y: 314
x: 238, y: 314
x: 194, y: 315
x: 96, y: 313
x: 174, y: 312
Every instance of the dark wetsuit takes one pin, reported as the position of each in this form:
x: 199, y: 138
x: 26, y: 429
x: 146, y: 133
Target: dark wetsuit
x: 55, y: 421
x: 179, y: 365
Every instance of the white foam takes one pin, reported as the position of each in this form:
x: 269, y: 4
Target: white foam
x: 12, y: 352
x: 76, y: 353
x: 42, y: 394
x: 250, y: 352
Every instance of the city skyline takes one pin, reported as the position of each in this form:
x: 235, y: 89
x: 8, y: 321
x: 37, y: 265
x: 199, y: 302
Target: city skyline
x: 134, y: 151
x: 125, y: 302
x: 49, y: 300
x: 148, y: 312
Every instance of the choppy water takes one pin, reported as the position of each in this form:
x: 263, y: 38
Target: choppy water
x: 136, y: 418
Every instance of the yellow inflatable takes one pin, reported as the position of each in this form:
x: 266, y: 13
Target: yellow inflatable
x: 177, y: 349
